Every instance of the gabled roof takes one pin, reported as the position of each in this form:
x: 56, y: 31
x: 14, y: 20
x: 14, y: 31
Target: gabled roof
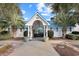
x: 37, y: 13
x: 42, y: 17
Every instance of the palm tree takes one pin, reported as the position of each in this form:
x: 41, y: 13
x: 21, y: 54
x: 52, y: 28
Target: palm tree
x: 61, y: 7
x: 63, y: 16
x: 64, y: 20
x: 3, y: 24
x: 12, y: 15
x: 18, y: 23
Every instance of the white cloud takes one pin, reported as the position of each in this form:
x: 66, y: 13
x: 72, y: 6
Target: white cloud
x: 44, y: 14
x: 26, y: 18
x: 45, y: 10
x: 23, y: 11
x: 40, y: 7
x: 48, y: 19
x: 49, y: 9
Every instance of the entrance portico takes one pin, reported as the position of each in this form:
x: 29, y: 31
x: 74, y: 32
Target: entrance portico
x: 37, y: 23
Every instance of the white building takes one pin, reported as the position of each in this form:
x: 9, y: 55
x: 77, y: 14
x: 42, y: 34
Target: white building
x: 39, y: 22
x: 36, y: 23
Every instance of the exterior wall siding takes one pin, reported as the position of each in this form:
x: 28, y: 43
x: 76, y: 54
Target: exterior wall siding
x: 57, y: 33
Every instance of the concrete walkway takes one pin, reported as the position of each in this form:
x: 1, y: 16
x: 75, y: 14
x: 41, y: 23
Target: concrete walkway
x: 34, y: 48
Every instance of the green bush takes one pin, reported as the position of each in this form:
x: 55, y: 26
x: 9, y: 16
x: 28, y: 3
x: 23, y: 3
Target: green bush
x: 4, y: 32
x: 74, y: 35
x: 69, y: 36
x: 50, y: 33
x: 4, y: 35
x: 25, y: 33
x: 75, y: 32
x: 77, y: 38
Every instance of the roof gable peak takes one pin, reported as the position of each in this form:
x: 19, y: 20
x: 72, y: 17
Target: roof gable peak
x: 37, y: 16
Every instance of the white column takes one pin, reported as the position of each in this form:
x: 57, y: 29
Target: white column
x: 44, y: 31
x: 28, y: 31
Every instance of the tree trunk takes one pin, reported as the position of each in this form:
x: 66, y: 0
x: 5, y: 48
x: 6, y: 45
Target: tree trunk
x: 14, y: 31
x: 64, y: 30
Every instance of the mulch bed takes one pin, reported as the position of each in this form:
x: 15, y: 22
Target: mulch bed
x: 9, y: 51
x: 64, y: 50
x: 6, y: 50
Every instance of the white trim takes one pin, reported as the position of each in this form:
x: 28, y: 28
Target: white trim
x: 28, y: 23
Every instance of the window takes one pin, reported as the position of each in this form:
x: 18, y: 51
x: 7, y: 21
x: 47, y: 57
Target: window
x: 57, y: 29
x: 70, y: 29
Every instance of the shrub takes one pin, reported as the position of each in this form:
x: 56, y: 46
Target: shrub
x: 69, y: 36
x: 5, y: 35
x: 4, y: 32
x: 75, y: 32
x: 25, y: 33
x: 75, y: 37
x: 50, y: 33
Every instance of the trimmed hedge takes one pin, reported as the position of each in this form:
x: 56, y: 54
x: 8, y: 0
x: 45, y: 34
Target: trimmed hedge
x: 74, y: 35
x: 50, y: 33
x: 4, y: 35
x: 4, y: 32
x: 75, y: 32
x: 69, y: 36
x: 25, y: 33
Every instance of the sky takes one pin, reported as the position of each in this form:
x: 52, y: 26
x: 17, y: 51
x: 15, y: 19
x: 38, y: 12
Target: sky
x: 29, y: 9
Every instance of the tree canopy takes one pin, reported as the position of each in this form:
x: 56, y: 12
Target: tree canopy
x: 66, y: 14
x: 10, y: 15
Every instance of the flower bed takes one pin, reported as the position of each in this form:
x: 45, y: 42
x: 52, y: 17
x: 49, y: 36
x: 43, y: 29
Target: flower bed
x: 5, y: 49
x: 64, y: 50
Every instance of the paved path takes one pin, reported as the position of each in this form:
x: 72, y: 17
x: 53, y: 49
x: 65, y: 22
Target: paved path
x: 35, y: 48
